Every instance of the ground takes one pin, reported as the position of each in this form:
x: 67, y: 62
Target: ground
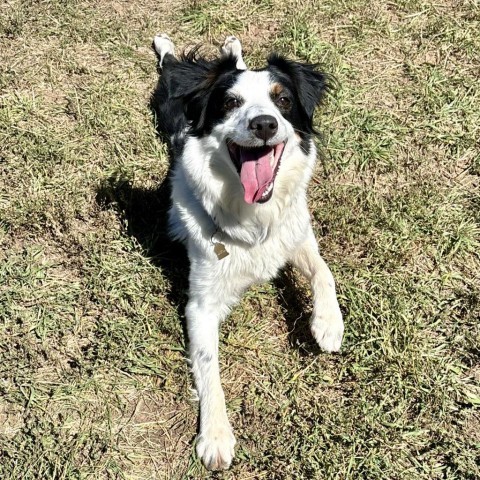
x: 93, y: 375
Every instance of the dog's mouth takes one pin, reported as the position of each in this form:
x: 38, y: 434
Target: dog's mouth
x: 257, y: 167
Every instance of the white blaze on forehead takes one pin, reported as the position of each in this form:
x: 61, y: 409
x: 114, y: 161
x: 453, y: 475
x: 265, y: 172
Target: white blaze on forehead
x: 254, y: 88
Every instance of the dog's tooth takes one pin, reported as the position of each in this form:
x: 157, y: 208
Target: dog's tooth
x: 267, y: 190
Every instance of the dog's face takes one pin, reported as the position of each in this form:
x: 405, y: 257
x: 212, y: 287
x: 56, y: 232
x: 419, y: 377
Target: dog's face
x: 256, y: 115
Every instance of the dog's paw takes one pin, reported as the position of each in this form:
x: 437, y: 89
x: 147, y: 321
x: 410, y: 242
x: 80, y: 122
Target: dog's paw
x: 232, y: 46
x: 215, y: 447
x: 163, y: 45
x: 327, y: 328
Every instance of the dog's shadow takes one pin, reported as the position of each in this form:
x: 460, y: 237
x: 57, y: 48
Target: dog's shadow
x: 294, y: 301
x: 143, y: 213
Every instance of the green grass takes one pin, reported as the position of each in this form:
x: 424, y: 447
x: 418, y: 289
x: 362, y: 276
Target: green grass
x: 93, y: 375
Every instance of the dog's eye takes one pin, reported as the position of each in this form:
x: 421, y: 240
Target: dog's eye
x: 284, y: 102
x: 231, y: 103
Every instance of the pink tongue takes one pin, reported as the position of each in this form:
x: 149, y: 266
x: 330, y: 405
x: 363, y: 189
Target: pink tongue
x: 256, y: 172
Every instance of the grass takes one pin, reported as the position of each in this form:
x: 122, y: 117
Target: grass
x: 93, y: 377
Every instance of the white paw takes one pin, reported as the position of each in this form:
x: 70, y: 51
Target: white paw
x: 232, y: 46
x: 215, y: 447
x: 327, y: 328
x: 163, y: 45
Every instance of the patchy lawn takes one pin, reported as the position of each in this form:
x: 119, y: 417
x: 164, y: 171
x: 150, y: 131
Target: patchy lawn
x: 93, y: 377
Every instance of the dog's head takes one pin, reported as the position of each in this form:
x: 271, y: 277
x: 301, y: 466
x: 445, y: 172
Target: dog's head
x: 257, y: 115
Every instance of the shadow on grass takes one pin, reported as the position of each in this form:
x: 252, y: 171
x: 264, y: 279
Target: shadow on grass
x: 294, y: 300
x: 144, y: 214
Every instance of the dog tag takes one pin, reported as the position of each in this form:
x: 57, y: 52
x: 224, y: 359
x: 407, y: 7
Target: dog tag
x: 220, y: 251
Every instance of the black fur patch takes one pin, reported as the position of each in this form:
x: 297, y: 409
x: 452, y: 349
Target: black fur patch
x: 191, y: 92
x: 308, y: 87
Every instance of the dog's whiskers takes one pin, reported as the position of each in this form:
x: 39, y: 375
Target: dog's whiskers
x: 297, y: 130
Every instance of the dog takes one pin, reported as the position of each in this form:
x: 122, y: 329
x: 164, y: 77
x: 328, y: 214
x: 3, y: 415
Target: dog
x: 243, y: 154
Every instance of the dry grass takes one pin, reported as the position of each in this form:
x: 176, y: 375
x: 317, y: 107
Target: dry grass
x: 93, y: 378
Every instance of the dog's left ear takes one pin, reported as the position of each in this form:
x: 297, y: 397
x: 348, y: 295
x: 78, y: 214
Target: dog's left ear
x: 310, y: 83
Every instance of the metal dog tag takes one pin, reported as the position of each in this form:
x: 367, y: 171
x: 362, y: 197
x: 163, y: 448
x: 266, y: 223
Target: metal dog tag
x: 220, y: 251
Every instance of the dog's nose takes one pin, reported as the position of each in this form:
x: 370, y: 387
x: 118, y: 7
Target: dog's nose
x: 264, y: 127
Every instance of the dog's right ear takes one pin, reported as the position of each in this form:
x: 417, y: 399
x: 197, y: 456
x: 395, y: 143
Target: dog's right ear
x: 196, y: 79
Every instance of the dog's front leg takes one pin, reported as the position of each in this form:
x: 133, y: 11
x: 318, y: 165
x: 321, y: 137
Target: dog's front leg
x: 215, y: 441
x: 326, y: 322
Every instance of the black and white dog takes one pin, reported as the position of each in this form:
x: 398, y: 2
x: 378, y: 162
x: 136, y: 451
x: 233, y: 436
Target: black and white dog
x: 243, y: 156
